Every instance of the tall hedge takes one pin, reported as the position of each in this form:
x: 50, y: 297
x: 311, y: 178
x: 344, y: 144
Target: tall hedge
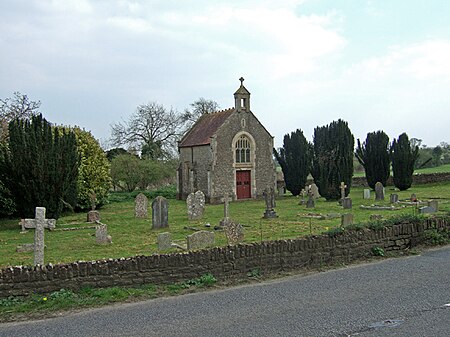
x: 373, y: 155
x: 40, y: 167
x: 403, y: 156
x: 295, y: 160
x: 333, y: 158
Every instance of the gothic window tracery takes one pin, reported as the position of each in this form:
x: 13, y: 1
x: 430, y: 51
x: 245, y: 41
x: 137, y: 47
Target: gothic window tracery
x: 243, y: 150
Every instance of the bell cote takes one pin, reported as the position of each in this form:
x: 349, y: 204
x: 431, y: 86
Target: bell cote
x: 242, y: 98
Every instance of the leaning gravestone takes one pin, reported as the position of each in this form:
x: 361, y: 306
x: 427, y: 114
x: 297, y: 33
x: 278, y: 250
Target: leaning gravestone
x: 200, y: 239
x: 434, y: 204
x: 394, y: 198
x: 379, y: 191
x: 101, y: 235
x: 160, y: 213
x: 195, y: 205
x: 164, y: 241
x: 234, y: 233
x: 39, y: 223
x: 141, y: 206
x: 93, y: 216
x: 366, y: 193
x: 346, y: 219
x: 347, y: 203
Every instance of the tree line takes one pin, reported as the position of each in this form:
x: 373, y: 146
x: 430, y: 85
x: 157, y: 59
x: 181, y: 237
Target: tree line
x: 329, y: 159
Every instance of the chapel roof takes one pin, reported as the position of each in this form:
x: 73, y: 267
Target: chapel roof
x: 205, y: 127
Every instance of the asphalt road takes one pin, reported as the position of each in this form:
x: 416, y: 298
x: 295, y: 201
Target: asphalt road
x: 395, y: 297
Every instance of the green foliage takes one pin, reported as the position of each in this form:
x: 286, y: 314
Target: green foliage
x: 295, y: 160
x: 94, y: 180
x: 168, y: 192
x: 433, y: 237
x: 255, y: 273
x: 7, y: 204
x: 373, y: 154
x: 333, y: 158
x: 112, y: 153
x: 403, y: 157
x: 377, y: 251
x: 205, y: 280
x: 40, y: 167
x: 334, y: 232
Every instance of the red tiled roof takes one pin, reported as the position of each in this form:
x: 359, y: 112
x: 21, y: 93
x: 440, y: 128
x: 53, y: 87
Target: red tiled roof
x: 202, y: 131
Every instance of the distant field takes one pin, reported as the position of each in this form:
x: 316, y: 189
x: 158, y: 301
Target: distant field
x: 429, y: 170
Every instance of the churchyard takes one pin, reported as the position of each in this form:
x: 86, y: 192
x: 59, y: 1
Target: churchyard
x: 74, y: 239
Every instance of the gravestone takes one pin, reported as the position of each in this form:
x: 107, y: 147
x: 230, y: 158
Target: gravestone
x: 141, y: 206
x: 195, y: 205
x: 366, y: 193
x: 164, y: 241
x: 200, y: 239
x: 379, y: 191
x: 93, y: 216
x: 226, y: 205
x: 346, y: 219
x: 234, y: 233
x: 269, y: 198
x: 310, y: 203
x: 394, y: 198
x: 160, y: 213
x: 426, y: 209
x: 39, y: 223
x: 413, y: 198
x: 434, y: 204
x: 342, y: 187
x: 347, y: 203
x: 314, y: 190
x: 25, y: 248
x: 101, y: 235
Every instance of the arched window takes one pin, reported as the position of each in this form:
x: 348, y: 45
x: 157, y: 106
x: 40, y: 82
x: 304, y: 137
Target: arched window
x: 243, y: 150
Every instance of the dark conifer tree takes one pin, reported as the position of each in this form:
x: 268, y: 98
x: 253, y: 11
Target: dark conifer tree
x: 373, y: 155
x: 295, y: 160
x: 41, y: 166
x: 333, y: 158
x: 403, y: 156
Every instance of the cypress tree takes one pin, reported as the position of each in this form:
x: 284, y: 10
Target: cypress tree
x: 403, y: 156
x: 373, y: 155
x: 42, y: 166
x: 333, y: 158
x: 295, y: 160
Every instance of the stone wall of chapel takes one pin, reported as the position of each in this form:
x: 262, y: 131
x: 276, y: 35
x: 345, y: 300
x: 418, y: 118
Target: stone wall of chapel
x: 223, y: 172
x: 197, y: 159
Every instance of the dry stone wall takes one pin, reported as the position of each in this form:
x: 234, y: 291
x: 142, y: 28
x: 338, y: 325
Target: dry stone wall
x: 417, y: 179
x: 223, y: 262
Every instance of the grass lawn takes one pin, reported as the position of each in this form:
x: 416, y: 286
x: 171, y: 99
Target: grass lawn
x: 135, y: 237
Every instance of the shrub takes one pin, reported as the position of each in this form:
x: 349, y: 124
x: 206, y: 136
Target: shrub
x: 403, y: 156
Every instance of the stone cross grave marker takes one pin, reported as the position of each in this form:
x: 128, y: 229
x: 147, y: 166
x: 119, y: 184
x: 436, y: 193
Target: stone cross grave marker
x: 234, y: 233
x: 347, y: 203
x: 342, y: 188
x: 200, y: 239
x: 366, y: 194
x: 226, y: 210
x: 39, y: 223
x: 195, y: 205
x: 303, y: 194
x: 160, y: 213
x: 379, y: 191
x: 269, y: 198
x: 141, y: 206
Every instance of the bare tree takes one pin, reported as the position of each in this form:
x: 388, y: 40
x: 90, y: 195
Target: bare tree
x: 197, y: 109
x: 151, y: 127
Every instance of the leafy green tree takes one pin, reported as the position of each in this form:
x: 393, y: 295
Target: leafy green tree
x: 40, y: 166
x: 373, y: 155
x: 125, y: 171
x: 403, y: 157
x: 112, y: 153
x: 437, y: 154
x: 333, y: 158
x: 295, y: 160
x: 94, y: 180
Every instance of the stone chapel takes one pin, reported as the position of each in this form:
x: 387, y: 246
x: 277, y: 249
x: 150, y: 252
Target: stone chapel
x: 227, y: 152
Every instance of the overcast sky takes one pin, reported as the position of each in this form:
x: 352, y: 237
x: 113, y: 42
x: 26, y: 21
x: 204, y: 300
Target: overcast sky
x: 379, y: 65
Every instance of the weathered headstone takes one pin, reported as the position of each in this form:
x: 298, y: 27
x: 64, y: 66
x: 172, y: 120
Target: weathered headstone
x: 269, y: 198
x: 434, y: 204
x: 141, y: 206
x: 394, y: 198
x: 310, y: 202
x: 426, y: 209
x: 234, y: 233
x: 164, y: 241
x: 347, y: 203
x: 160, y: 213
x: 101, y: 235
x: 195, y: 205
x: 200, y: 239
x: 314, y: 190
x: 379, y: 191
x: 39, y: 223
x: 346, y: 219
x: 366, y: 193
x: 93, y: 216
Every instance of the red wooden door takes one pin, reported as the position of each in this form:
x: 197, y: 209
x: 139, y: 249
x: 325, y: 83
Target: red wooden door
x: 243, y: 184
